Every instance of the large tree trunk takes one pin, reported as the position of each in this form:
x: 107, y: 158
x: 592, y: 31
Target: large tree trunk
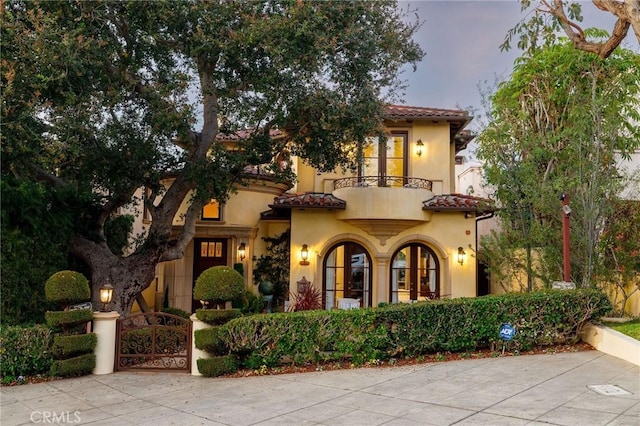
x: 129, y: 276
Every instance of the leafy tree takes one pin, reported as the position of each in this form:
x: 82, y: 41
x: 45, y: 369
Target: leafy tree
x: 102, y: 98
x: 620, y: 246
x: 274, y: 266
x: 35, y: 235
x: 556, y: 127
x: 553, y: 16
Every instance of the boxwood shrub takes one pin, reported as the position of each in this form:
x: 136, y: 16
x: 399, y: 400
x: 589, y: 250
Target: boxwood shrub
x: 217, y: 316
x: 403, y: 330
x: 76, y: 366
x: 71, y: 346
x: 217, y: 366
x: 25, y: 351
x: 211, y: 340
x: 67, y: 319
x: 66, y: 287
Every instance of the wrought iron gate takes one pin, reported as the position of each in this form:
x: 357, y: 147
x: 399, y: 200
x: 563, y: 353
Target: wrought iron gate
x: 153, y: 341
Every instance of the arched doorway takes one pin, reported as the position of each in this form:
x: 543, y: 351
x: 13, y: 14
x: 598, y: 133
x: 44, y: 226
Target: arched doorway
x: 415, y: 274
x: 347, y: 274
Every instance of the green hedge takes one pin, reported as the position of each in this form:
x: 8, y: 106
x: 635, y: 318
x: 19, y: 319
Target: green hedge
x: 217, y: 316
x: 401, y: 330
x: 66, y: 287
x: 177, y: 312
x: 77, y: 366
x: 217, y: 366
x: 24, y: 351
x: 67, y: 319
x: 211, y: 340
x: 71, y: 346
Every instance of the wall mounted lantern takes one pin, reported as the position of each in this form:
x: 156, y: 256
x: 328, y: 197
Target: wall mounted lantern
x: 461, y: 255
x: 242, y: 251
x: 304, y: 255
x: 419, y: 147
x: 106, y: 296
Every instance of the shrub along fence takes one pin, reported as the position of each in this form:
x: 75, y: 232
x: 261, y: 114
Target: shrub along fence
x: 25, y: 351
x: 402, y: 330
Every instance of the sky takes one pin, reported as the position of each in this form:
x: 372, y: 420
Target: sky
x: 462, y: 44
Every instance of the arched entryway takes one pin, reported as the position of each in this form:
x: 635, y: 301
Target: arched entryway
x: 347, y: 274
x: 415, y: 274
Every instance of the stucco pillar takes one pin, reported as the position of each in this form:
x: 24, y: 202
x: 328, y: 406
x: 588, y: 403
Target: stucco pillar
x: 197, y: 353
x: 104, y: 325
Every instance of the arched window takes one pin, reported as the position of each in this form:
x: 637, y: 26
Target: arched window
x: 415, y: 274
x: 347, y: 274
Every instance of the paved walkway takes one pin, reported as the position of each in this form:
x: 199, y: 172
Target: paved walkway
x: 526, y: 390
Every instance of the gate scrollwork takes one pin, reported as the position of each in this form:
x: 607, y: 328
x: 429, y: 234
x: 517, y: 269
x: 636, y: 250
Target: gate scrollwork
x: 153, y: 341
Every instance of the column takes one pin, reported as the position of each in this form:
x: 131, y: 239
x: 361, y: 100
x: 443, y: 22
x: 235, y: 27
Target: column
x: 104, y: 326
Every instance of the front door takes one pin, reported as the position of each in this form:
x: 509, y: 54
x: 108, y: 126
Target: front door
x: 207, y: 253
x: 347, y: 274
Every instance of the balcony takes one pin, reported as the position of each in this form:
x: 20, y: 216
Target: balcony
x: 383, y: 206
x: 383, y: 182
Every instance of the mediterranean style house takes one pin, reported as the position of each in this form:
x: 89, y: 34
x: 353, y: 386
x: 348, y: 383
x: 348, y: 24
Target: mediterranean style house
x: 392, y: 230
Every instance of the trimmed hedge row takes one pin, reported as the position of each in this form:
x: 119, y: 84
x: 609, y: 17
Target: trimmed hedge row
x: 74, y: 345
x: 217, y: 316
x: 68, y: 319
x: 24, y: 351
x: 402, y: 330
x: 76, y: 366
x: 217, y: 365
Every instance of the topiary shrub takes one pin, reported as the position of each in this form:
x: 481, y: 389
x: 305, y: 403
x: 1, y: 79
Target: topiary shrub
x: 68, y: 319
x: 77, y: 366
x: 70, y: 346
x: 248, y: 302
x: 218, y: 284
x: 211, y: 340
x: 217, y: 316
x: 217, y: 366
x: 67, y: 287
x: 177, y: 312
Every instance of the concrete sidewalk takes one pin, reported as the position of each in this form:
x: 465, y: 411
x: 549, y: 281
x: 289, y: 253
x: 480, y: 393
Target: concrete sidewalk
x: 553, y: 389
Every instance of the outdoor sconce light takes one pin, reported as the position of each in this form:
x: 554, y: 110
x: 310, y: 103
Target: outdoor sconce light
x: 304, y: 255
x: 242, y: 250
x: 106, y: 296
x: 461, y: 255
x: 419, y: 148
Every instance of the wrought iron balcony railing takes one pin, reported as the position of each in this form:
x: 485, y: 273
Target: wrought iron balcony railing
x: 383, y: 181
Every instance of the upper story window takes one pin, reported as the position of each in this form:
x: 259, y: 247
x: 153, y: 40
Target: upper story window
x: 211, y: 211
x: 386, y: 160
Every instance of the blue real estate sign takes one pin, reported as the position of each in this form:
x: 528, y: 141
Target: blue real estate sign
x: 507, y: 331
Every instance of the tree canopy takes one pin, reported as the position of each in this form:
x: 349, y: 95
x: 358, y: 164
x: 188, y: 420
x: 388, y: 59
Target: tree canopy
x: 558, y: 126
x: 102, y: 98
x: 553, y: 16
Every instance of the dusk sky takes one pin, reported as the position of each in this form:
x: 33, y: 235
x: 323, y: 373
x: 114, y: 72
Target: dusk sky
x: 462, y: 43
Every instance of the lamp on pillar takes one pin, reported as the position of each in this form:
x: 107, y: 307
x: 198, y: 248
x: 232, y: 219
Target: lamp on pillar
x: 106, y: 296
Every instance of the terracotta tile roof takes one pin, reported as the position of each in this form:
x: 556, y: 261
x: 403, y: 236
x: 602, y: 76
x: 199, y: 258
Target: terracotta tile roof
x: 245, y: 133
x: 404, y: 112
x: 315, y: 200
x: 459, y: 202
